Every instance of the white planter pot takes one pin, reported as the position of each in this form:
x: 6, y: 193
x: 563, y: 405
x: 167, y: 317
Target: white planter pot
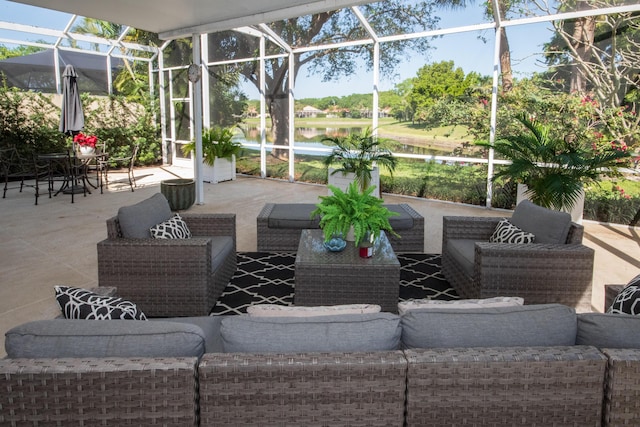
x: 342, y: 181
x: 222, y: 170
x: 576, y: 212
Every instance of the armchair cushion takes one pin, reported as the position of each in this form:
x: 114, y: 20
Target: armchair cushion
x: 293, y: 215
x: 463, y: 251
x: 506, y: 232
x: 547, y: 225
x: 137, y: 220
x: 221, y: 247
x: 173, y: 228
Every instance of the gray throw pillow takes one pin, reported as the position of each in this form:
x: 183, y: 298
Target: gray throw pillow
x: 339, y: 333
x: 528, y: 325
x: 136, y: 220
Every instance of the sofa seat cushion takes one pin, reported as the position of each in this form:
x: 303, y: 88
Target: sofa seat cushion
x: 527, y: 325
x: 417, y: 304
x: 136, y: 220
x: 293, y: 215
x: 337, y: 333
x: 403, y: 221
x: 278, y: 310
x: 608, y: 330
x: 221, y: 247
x: 547, y: 225
x: 463, y: 251
x: 98, y: 338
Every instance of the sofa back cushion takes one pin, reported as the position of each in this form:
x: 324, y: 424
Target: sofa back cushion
x: 341, y: 333
x: 136, y: 220
x: 104, y: 338
x: 608, y: 330
x: 547, y: 225
x: 528, y: 325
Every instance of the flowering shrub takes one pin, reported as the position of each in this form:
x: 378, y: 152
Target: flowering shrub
x: 85, y: 140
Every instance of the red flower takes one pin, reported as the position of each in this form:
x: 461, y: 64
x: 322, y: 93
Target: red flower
x: 85, y: 140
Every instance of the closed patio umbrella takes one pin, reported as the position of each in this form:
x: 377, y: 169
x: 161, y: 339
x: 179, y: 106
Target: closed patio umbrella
x: 71, y: 117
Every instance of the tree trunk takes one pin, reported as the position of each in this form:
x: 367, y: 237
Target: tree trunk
x: 505, y: 62
x: 279, y: 111
x: 582, y: 43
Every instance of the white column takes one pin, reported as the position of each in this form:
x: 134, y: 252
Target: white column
x: 197, y: 123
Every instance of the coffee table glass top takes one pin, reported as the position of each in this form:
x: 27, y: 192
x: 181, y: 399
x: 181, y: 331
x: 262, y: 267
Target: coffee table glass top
x: 312, y: 251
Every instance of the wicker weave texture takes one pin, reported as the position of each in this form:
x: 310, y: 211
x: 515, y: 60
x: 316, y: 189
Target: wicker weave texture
x: 546, y: 386
x: 287, y: 239
x: 622, y: 388
x: 539, y: 272
x: 318, y: 389
x: 610, y: 294
x: 98, y: 392
x: 169, y: 277
x: 328, y: 278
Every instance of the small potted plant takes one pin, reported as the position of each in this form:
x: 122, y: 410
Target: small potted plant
x: 219, y: 152
x: 551, y: 171
x: 357, y: 157
x: 86, y: 143
x: 353, y: 210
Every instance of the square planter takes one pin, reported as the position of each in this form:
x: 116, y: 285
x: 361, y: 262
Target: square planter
x: 342, y: 181
x: 222, y: 170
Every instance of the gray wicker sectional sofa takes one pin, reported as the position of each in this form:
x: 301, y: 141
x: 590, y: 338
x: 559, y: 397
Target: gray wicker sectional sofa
x: 524, y: 365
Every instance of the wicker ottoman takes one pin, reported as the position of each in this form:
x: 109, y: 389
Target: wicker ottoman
x: 332, y: 278
x: 279, y: 227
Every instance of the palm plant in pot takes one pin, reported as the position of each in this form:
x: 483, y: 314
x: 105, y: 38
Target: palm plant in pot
x: 553, y: 169
x: 354, y: 209
x: 357, y: 158
x: 219, y: 152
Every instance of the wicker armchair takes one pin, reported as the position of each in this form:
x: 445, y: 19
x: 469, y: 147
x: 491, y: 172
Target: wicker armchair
x: 171, y: 277
x: 538, y: 272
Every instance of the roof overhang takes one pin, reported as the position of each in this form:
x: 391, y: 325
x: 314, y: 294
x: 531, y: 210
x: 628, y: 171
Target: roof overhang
x: 172, y: 19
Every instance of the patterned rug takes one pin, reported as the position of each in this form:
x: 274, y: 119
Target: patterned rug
x: 268, y: 278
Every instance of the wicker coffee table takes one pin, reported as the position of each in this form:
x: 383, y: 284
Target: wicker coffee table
x: 330, y: 278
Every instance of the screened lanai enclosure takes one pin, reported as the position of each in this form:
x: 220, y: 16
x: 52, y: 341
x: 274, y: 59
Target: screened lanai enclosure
x: 432, y: 78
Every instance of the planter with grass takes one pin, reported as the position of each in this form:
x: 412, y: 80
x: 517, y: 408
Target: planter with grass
x: 218, y: 154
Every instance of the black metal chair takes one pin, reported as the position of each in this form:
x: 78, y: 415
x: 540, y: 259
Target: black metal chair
x: 120, y: 162
x: 16, y: 168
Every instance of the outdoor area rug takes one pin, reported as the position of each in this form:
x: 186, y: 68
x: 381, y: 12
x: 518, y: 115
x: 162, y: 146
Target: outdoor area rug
x: 268, y: 278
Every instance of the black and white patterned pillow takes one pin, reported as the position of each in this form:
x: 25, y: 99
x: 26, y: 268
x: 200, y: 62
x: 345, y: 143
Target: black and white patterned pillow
x: 628, y: 300
x: 77, y: 303
x: 173, y: 228
x: 506, y: 232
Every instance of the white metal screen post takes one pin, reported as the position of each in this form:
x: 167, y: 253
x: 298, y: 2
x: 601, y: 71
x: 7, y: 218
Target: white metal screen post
x: 197, y: 123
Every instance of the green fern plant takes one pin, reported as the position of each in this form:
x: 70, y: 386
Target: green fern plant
x: 357, y: 154
x: 216, y: 142
x: 342, y: 210
x: 554, y: 169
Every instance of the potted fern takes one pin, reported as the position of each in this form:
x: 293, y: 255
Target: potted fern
x: 219, y: 152
x: 357, y: 157
x: 551, y: 171
x: 353, y: 209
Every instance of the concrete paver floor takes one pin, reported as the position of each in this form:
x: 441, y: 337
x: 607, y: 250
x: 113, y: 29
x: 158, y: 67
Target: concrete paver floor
x: 55, y: 242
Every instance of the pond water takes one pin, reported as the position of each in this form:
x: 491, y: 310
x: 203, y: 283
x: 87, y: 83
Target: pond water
x: 312, y: 138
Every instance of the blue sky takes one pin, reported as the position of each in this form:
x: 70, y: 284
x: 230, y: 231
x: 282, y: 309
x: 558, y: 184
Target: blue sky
x: 466, y: 50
